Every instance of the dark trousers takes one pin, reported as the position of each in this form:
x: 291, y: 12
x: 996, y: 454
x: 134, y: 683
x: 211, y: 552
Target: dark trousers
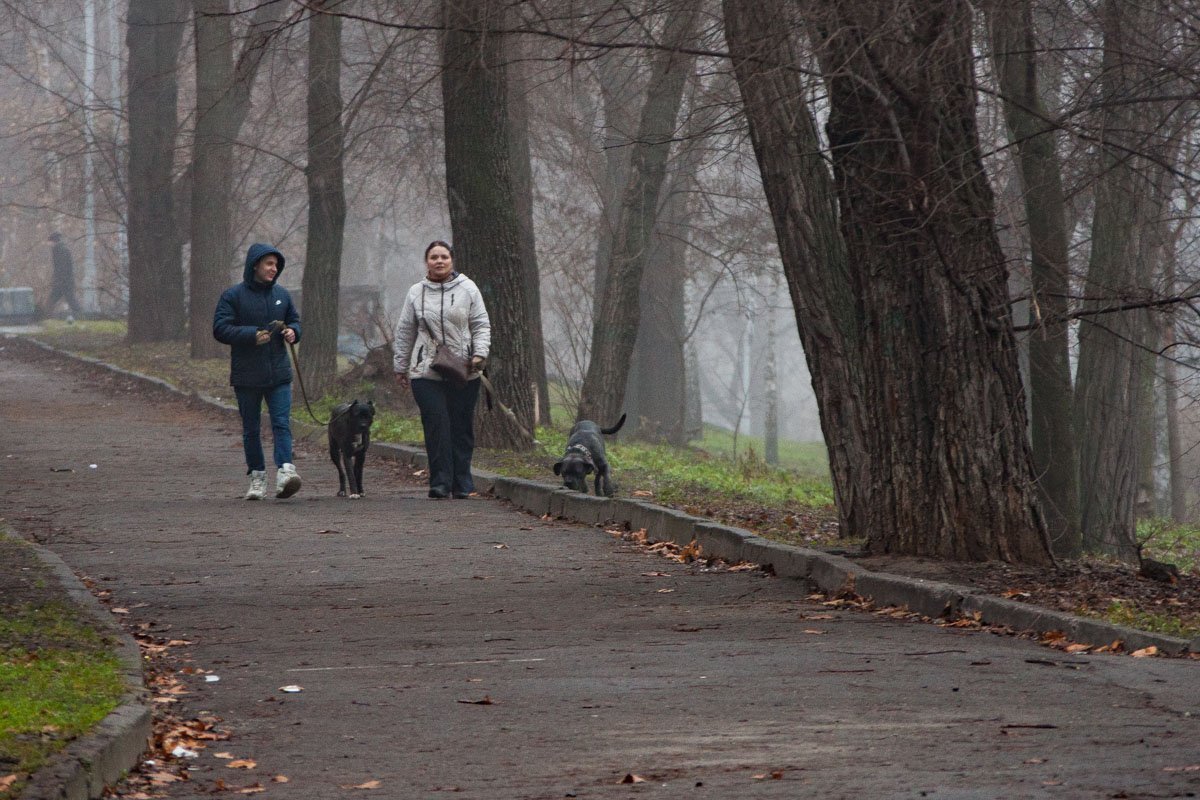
x: 448, y: 418
x: 63, y: 291
x: 279, y: 407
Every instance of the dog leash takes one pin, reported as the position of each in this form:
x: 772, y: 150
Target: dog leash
x: 275, y: 327
x: 508, y: 412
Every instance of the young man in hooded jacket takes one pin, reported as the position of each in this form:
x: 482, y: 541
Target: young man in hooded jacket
x: 248, y: 318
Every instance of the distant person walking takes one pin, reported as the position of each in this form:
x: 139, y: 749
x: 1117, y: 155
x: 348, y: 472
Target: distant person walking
x: 62, y: 282
x: 257, y: 319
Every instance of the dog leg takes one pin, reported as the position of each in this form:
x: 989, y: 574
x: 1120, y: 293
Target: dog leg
x: 335, y: 455
x: 356, y: 482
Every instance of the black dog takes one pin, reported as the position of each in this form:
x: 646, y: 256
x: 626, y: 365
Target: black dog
x: 585, y: 454
x: 349, y: 437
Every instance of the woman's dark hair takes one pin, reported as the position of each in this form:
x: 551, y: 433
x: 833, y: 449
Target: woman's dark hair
x: 439, y: 243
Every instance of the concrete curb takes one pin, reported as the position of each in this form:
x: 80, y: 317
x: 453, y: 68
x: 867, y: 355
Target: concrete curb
x: 98, y: 759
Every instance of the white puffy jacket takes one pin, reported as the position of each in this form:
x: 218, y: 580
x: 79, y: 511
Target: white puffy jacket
x: 450, y: 312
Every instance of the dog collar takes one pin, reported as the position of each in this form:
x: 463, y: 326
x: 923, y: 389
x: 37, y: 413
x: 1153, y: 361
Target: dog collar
x: 578, y: 448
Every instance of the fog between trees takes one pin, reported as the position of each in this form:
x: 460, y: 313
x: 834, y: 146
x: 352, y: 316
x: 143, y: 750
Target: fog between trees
x: 949, y: 236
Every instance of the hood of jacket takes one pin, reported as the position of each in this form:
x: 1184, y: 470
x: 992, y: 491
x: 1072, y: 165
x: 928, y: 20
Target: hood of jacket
x: 256, y: 254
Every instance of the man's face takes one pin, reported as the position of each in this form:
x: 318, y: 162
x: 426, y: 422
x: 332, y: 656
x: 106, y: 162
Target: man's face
x: 267, y: 268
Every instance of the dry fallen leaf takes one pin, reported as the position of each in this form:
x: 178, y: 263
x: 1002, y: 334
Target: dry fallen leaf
x: 642, y: 493
x: 1188, y: 768
x: 367, y: 785
x: 254, y: 788
x: 631, y: 778
x: 279, y: 779
x: 242, y: 763
x: 1145, y: 651
x: 223, y: 755
x: 7, y: 781
x: 813, y: 631
x: 664, y: 591
x: 486, y: 701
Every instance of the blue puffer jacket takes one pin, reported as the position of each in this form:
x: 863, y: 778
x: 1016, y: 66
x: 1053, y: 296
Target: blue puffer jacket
x: 242, y: 312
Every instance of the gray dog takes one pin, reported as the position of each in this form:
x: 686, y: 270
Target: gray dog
x: 585, y: 455
x: 349, y: 438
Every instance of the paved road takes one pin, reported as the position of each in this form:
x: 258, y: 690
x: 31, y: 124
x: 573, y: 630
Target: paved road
x: 395, y: 613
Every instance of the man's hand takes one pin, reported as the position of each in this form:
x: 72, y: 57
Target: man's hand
x: 402, y: 379
x: 289, y: 335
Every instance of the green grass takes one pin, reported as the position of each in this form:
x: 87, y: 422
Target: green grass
x: 1167, y: 624
x: 58, y: 679
x: 1163, y: 540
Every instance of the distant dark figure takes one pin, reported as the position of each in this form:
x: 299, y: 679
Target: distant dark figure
x: 62, y: 284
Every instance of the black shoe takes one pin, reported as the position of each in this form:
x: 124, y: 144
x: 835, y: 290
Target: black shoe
x: 438, y: 494
x: 461, y: 495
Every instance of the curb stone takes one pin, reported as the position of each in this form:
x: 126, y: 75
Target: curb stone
x: 99, y: 758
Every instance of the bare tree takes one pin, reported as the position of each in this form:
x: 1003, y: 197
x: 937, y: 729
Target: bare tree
x: 617, y: 317
x: 326, y: 200
x: 939, y: 464
x: 483, y: 215
x: 222, y: 103
x: 157, y: 309
x: 1034, y: 133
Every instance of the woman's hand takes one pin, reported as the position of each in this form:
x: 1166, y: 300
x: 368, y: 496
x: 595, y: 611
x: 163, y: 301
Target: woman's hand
x: 289, y: 335
x: 478, y: 363
x: 402, y: 379
x: 262, y: 337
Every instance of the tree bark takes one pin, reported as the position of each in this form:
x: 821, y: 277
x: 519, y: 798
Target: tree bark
x: 1055, y: 448
x: 1113, y: 374
x: 655, y: 392
x: 222, y: 104
x: 326, y: 201
x: 614, y: 328
x: 939, y: 464
x: 482, y: 199
x: 522, y: 171
x: 212, y: 173
x: 157, y: 307
x: 802, y: 199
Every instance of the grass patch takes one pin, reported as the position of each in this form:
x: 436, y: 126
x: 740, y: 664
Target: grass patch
x: 1164, y: 623
x: 1163, y: 540
x: 58, y: 675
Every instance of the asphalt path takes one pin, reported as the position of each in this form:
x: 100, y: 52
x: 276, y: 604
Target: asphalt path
x: 467, y: 648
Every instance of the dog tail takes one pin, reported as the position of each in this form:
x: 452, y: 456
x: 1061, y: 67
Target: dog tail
x: 614, y: 428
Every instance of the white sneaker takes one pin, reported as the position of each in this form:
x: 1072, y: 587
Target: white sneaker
x: 287, y: 481
x: 258, y: 485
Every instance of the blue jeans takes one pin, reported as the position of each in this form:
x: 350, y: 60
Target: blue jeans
x: 279, y: 406
x: 448, y: 419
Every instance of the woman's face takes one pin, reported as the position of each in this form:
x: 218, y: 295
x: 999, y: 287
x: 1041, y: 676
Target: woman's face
x: 438, y: 264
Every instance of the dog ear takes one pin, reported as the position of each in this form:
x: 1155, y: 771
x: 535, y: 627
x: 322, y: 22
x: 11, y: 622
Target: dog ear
x: 558, y: 468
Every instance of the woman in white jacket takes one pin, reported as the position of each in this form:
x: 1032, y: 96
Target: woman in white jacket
x: 447, y: 309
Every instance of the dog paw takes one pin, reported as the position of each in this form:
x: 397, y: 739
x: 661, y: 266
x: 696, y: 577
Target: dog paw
x: 355, y: 496
x: 341, y: 493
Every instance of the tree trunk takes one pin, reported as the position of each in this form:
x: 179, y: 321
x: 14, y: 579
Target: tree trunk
x: 1055, y: 449
x: 941, y: 458
x: 157, y: 307
x: 222, y: 103
x: 212, y: 173
x: 1113, y: 370
x: 326, y: 202
x: 802, y: 198
x: 483, y: 216
x: 655, y: 391
x: 522, y: 172
x: 614, y: 328
x: 771, y: 385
